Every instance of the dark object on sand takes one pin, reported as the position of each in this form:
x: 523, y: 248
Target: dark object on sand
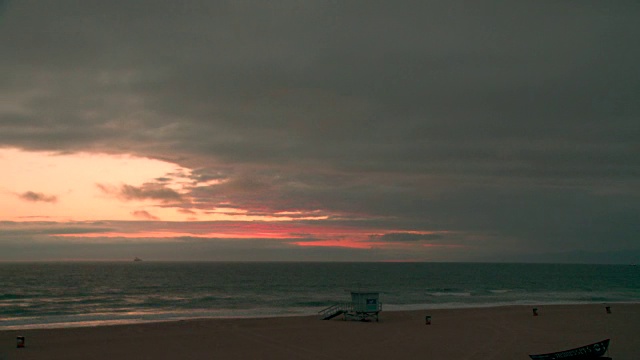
x: 20, y: 341
x: 591, y: 351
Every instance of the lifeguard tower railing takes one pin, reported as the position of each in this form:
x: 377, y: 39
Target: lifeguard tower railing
x: 349, y: 311
x: 335, y: 310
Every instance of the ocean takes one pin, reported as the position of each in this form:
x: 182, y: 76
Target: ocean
x: 47, y: 295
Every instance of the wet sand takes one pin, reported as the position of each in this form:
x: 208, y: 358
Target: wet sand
x: 510, y: 332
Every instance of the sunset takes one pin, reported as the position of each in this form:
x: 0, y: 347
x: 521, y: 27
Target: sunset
x: 511, y: 141
x: 223, y: 159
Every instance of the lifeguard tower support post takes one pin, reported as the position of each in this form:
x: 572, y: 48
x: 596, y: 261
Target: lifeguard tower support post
x: 365, y: 305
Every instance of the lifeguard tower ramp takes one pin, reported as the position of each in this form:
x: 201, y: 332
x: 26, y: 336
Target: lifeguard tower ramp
x: 364, y: 306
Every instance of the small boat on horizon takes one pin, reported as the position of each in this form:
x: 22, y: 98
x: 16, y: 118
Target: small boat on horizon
x: 137, y: 259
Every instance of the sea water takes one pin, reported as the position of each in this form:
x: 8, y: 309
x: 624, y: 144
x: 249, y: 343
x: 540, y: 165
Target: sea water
x: 41, y: 295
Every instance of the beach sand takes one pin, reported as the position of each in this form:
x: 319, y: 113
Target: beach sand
x: 510, y: 332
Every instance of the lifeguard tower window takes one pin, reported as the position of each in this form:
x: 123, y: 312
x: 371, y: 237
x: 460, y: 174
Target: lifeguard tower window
x: 372, y: 304
x: 366, y: 305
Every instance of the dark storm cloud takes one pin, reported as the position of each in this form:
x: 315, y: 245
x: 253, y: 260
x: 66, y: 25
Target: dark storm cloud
x: 146, y: 191
x: 13, y: 231
x: 37, y: 197
x: 187, y: 250
x: 514, y: 121
x: 406, y: 237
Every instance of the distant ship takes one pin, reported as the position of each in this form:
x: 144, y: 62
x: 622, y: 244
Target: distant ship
x: 137, y: 259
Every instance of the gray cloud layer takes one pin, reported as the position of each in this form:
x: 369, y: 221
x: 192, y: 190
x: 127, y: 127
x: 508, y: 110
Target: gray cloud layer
x: 514, y: 121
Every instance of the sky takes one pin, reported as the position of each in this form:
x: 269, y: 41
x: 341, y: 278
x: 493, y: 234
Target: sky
x: 481, y: 131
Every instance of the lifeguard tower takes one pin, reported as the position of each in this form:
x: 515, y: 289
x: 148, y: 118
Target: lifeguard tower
x: 364, y: 306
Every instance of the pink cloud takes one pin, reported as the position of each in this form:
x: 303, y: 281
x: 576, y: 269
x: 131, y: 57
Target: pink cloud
x: 142, y: 214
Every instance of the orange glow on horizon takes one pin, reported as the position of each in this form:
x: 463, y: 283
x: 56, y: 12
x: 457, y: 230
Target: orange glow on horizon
x: 173, y: 235
x: 302, y: 235
x: 71, y: 179
x: 89, y: 187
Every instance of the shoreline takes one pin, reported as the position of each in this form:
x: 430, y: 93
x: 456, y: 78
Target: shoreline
x: 503, y: 332
x: 176, y: 318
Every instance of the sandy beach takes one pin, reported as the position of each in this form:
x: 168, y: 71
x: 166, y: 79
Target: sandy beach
x: 487, y: 333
